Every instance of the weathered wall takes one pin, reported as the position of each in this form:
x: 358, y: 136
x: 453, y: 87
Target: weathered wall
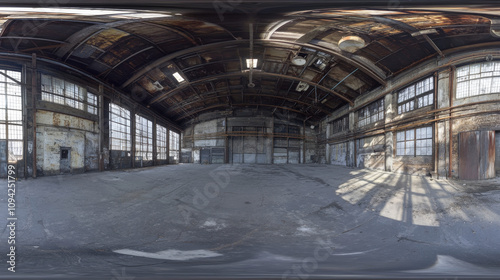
x: 55, y: 130
x: 371, y: 152
x: 250, y: 140
x: 464, y: 117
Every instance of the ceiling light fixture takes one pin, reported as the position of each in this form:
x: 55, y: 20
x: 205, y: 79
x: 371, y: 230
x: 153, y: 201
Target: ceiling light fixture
x: 158, y: 86
x: 252, y: 63
x: 178, y: 77
x: 302, y: 87
x: 351, y: 43
x: 299, y: 60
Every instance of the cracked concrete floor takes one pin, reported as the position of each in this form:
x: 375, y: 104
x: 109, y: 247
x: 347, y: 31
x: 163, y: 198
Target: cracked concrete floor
x: 253, y: 221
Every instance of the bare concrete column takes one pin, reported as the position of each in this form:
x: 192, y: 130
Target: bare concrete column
x: 443, y: 127
x: 327, y: 146
x: 389, y: 137
x: 351, y: 155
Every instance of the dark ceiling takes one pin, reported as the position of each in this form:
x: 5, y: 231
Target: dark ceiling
x: 207, y: 44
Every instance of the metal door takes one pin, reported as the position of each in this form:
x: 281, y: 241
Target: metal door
x: 65, y: 162
x: 476, y: 155
x: 205, y: 156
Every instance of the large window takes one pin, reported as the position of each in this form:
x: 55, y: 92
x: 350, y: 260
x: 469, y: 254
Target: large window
x: 143, y: 138
x: 371, y: 113
x: 161, y: 142
x: 174, y: 145
x: 477, y: 79
x: 119, y: 128
x: 67, y: 93
x: 418, y: 95
x: 340, y: 125
x: 11, y: 114
x: 414, y: 142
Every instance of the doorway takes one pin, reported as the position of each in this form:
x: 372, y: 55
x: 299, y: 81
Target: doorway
x: 65, y: 162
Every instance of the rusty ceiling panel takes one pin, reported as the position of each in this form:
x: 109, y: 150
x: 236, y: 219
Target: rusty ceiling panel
x: 106, y: 38
x: 153, y: 32
x: 438, y: 20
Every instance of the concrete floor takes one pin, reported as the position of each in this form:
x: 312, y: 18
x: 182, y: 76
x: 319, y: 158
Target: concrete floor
x: 253, y: 221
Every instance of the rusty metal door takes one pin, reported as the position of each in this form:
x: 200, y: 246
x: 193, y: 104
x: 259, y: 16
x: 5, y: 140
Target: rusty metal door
x: 476, y: 155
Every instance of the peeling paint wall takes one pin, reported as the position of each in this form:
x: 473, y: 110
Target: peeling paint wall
x: 55, y: 130
x: 371, y: 152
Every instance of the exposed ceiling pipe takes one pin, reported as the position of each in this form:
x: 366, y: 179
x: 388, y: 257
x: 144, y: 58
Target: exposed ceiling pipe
x: 250, y: 80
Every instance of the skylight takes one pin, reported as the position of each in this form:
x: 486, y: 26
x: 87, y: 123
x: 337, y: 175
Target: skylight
x: 178, y: 77
x: 255, y: 62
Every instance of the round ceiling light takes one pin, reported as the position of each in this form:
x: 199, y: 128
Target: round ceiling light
x: 351, y: 43
x: 299, y: 60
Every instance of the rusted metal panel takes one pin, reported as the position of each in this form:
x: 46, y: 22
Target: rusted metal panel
x: 476, y: 155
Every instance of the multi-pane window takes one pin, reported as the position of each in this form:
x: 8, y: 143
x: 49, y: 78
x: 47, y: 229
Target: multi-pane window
x: 67, y: 93
x: 417, y: 95
x: 143, y: 138
x: 91, y: 103
x: 119, y: 128
x: 11, y: 114
x: 414, y: 142
x: 371, y: 113
x: 340, y: 125
x: 174, y: 145
x: 161, y: 142
x: 477, y: 79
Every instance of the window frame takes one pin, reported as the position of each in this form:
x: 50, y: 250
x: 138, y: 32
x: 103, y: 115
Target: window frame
x: 340, y: 125
x: 143, y: 138
x: 161, y: 142
x: 173, y: 144
x: 11, y: 114
x: 415, y: 135
x: 73, y: 95
x: 121, y: 125
x: 375, y: 109
x: 413, y: 103
x: 481, y: 76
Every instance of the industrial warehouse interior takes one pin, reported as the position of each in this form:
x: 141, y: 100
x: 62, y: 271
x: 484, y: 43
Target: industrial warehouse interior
x: 235, y: 139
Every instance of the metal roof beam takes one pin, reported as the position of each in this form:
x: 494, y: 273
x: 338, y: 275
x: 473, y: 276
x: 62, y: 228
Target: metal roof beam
x: 185, y: 85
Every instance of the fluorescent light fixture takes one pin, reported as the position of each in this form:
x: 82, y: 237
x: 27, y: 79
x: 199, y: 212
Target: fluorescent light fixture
x: 424, y: 32
x: 252, y: 62
x: 178, y: 77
